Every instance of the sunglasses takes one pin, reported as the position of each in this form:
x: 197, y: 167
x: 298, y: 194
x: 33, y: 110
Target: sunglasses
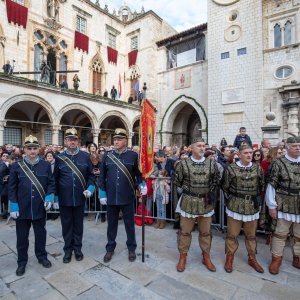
x: 4, y: 155
x: 257, y: 154
x: 32, y: 148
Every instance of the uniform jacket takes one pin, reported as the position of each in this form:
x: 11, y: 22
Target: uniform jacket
x: 24, y: 193
x: 115, y: 183
x: 68, y: 186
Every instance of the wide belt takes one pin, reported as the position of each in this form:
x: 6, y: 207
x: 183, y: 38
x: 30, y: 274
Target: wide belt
x: 246, y: 197
x: 288, y: 192
x: 198, y: 195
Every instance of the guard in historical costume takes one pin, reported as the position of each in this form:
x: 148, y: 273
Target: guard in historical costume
x: 243, y: 183
x: 283, y: 201
x: 119, y: 178
x: 74, y: 183
x: 197, y: 179
x: 31, y: 191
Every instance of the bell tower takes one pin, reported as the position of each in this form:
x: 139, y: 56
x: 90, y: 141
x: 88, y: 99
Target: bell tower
x: 235, y: 69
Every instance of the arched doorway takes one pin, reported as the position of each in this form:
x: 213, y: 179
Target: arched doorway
x: 81, y: 121
x: 134, y: 82
x: 186, y: 126
x: 25, y: 118
x: 108, y: 126
x: 183, y: 121
x: 136, y: 133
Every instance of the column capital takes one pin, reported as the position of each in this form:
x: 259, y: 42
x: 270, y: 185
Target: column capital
x: 131, y: 134
x: 96, y: 131
x: 56, y: 127
x: 2, y: 125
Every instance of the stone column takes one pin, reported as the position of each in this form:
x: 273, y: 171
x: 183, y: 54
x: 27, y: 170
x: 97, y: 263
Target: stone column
x: 130, y: 135
x: 2, y: 125
x: 55, y: 132
x: 271, y: 130
x: 96, y: 133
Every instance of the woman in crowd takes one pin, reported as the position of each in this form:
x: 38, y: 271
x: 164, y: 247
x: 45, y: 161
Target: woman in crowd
x: 257, y: 156
x: 273, y: 154
x: 4, y: 176
x: 101, y: 150
x: 92, y: 148
x: 50, y: 157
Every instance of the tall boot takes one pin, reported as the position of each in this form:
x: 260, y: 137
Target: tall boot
x: 275, y: 264
x: 229, y: 263
x: 182, y: 262
x: 207, y: 262
x: 157, y: 224
x: 296, y: 262
x: 162, y: 224
x: 254, y: 264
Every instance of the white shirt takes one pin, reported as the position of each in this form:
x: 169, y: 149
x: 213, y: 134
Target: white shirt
x: 185, y: 214
x: 237, y: 216
x: 271, y: 202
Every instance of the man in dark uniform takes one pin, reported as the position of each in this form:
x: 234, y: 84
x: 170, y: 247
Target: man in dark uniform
x: 74, y: 183
x: 118, y: 181
x: 31, y: 191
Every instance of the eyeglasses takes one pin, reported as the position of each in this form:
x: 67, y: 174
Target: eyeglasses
x: 101, y: 150
x: 4, y: 155
x: 32, y: 148
x: 257, y: 154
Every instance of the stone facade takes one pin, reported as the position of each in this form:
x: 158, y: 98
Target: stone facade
x: 237, y: 75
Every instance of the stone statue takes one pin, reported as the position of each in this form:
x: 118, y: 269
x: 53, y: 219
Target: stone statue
x: 53, y: 9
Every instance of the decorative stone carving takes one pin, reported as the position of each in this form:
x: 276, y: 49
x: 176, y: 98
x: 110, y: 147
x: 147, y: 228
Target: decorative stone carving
x: 233, y: 33
x: 52, y: 24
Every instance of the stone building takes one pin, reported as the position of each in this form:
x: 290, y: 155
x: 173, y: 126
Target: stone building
x: 206, y: 81
x: 107, y: 48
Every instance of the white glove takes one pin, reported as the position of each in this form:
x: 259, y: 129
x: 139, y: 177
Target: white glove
x: 87, y: 194
x: 47, y: 205
x: 14, y: 214
x: 55, y: 205
x: 103, y: 201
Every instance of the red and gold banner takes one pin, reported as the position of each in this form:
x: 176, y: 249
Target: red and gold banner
x: 147, y: 131
x: 16, y: 13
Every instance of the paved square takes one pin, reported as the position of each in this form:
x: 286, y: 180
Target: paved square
x: 157, y: 278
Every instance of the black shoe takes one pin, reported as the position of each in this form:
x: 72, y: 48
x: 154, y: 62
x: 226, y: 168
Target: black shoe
x: 131, y: 256
x: 79, y: 256
x: 46, y: 263
x: 20, y: 271
x: 67, y: 258
x: 103, y: 219
x: 108, y: 256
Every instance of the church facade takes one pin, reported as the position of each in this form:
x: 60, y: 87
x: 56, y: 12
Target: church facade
x: 206, y: 81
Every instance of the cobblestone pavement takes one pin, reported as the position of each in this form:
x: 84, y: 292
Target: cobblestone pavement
x: 157, y: 278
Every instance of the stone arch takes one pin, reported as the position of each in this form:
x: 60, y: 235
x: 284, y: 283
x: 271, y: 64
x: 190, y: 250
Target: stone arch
x: 77, y: 106
x: 172, y: 111
x: 31, y: 98
x: 115, y: 113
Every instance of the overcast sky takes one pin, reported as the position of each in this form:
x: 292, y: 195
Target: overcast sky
x: 181, y: 14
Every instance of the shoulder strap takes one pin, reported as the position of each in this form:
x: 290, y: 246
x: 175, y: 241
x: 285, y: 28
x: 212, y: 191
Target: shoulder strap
x: 32, y: 178
x: 73, y: 167
x: 124, y: 170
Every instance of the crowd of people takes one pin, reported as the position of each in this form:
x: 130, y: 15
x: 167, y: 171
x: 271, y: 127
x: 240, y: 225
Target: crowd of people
x: 184, y: 187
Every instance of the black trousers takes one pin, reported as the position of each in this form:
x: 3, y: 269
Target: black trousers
x: 112, y: 226
x: 72, y: 227
x: 22, y: 229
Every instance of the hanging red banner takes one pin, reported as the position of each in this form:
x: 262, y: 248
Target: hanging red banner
x: 112, y: 55
x: 81, y: 41
x: 16, y: 13
x: 147, y: 131
x: 132, y: 56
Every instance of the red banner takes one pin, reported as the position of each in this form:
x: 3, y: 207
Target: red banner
x: 147, y: 131
x: 81, y: 41
x: 132, y: 56
x: 112, y: 55
x: 16, y: 13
